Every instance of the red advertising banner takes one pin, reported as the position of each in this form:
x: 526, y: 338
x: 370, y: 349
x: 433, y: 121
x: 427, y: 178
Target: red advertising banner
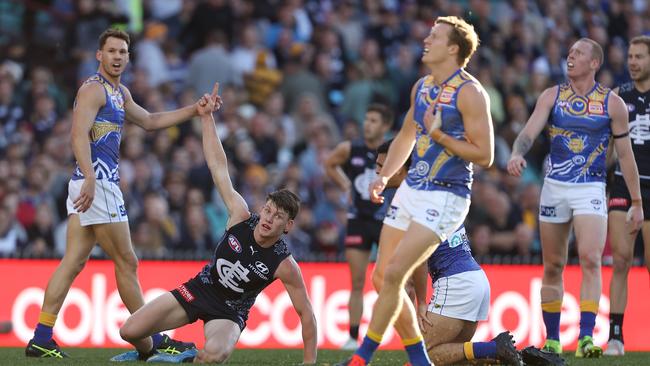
x: 93, y: 311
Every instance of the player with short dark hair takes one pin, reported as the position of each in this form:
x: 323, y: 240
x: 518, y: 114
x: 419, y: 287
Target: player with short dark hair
x: 351, y: 165
x: 636, y: 95
x: 250, y: 256
x: 96, y: 209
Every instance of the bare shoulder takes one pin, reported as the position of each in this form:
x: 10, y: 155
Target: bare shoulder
x: 91, y: 92
x: 547, y: 98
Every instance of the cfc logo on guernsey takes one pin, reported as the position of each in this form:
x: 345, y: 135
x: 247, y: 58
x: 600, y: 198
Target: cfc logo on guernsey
x: 231, y: 274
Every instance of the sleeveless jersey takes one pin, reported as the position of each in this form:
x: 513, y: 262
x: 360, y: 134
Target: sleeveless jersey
x: 453, y: 256
x: 433, y: 167
x: 388, y: 194
x: 240, y: 268
x: 638, y: 106
x: 579, y: 131
x: 360, y: 169
x: 106, y: 133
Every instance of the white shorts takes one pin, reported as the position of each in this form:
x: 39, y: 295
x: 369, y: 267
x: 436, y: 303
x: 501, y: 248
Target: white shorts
x: 560, y: 201
x: 107, y: 206
x: 464, y: 296
x: 441, y: 211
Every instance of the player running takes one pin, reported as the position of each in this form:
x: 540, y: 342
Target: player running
x: 434, y: 199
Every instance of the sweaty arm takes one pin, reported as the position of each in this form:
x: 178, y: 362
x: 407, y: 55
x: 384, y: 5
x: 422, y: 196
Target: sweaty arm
x: 289, y: 273
x: 90, y: 99
x: 154, y: 121
x: 474, y: 106
x: 336, y: 158
x: 619, y: 115
x: 215, y: 156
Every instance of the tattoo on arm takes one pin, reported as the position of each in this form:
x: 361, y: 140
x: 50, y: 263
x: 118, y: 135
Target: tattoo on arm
x: 522, y: 145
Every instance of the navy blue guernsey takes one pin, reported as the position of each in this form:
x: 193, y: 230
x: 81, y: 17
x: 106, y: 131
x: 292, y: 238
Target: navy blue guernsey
x: 360, y: 169
x: 453, y: 256
x: 240, y: 268
x: 638, y: 106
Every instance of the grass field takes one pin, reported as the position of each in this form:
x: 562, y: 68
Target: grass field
x: 85, y: 356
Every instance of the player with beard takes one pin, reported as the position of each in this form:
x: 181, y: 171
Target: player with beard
x: 636, y: 95
x: 96, y: 211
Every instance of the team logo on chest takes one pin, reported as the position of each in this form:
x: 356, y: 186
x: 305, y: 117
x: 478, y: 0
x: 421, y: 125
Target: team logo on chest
x: 234, y: 244
x: 577, y: 105
x: 640, y: 129
x: 232, y: 274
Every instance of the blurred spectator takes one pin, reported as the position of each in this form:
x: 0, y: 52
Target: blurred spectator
x: 12, y: 234
x: 210, y: 64
x: 296, y: 77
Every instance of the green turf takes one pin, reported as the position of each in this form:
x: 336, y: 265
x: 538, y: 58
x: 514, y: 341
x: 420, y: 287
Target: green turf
x: 85, y: 356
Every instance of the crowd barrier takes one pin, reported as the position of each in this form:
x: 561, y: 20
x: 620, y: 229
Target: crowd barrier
x: 93, y: 311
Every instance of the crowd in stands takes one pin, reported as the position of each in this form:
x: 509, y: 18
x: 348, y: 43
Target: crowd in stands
x: 296, y: 77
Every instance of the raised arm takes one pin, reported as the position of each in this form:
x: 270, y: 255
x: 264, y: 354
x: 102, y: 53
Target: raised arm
x: 155, y: 121
x: 619, y: 115
x: 336, y: 158
x: 289, y: 273
x: 529, y: 133
x: 90, y: 99
x: 398, y: 153
x: 215, y: 156
x: 474, y: 106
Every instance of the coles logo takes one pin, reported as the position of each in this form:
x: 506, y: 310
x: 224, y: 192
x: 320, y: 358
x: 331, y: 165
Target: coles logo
x: 234, y: 244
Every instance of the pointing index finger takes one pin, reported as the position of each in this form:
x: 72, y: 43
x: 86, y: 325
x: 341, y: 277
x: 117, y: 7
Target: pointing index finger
x: 215, y: 90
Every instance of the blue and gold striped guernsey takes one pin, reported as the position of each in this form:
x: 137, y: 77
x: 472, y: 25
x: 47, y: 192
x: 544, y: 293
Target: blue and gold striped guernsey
x: 106, y: 133
x: 433, y: 167
x: 579, y: 130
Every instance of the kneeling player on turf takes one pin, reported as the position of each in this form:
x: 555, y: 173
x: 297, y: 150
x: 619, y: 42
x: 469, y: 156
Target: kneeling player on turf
x: 251, y: 255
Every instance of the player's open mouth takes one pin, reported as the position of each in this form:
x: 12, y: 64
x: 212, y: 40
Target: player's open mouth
x: 425, y: 51
x: 570, y: 64
x: 117, y: 66
x: 266, y: 227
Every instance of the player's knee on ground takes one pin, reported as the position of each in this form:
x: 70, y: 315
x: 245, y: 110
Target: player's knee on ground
x: 128, y: 332
x: 214, y: 351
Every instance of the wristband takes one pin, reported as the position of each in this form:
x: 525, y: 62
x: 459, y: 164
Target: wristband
x: 442, y: 137
x: 636, y: 202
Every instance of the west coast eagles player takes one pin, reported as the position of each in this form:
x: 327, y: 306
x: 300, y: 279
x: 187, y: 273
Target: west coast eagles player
x: 582, y: 116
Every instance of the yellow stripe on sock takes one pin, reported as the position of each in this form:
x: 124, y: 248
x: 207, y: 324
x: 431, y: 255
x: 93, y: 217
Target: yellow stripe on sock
x: 47, y: 319
x: 374, y: 336
x: 589, y: 305
x: 412, y: 341
x: 468, y: 348
x: 552, y: 307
